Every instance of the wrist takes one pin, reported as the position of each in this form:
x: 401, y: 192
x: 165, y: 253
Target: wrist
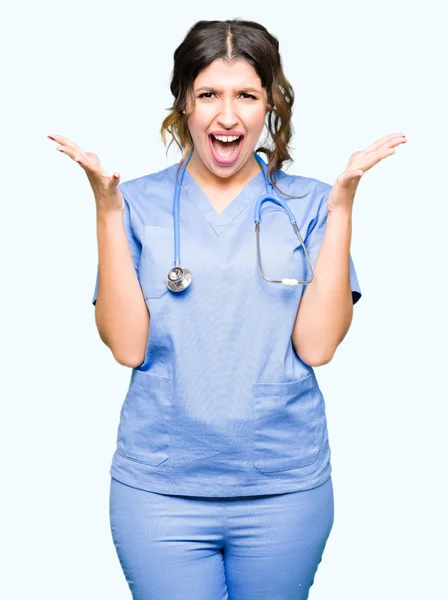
x: 109, y: 215
x: 341, y: 212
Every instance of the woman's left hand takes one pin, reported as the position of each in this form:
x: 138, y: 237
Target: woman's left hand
x: 342, y: 194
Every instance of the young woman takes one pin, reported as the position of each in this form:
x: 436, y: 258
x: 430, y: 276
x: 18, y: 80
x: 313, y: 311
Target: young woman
x: 222, y: 281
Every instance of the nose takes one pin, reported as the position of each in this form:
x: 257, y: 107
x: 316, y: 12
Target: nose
x: 228, y: 118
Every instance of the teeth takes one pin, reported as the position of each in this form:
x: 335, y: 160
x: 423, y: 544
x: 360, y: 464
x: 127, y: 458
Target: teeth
x: 226, y: 138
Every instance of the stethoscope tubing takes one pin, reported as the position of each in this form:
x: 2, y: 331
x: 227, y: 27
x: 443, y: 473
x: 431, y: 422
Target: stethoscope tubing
x: 176, y: 274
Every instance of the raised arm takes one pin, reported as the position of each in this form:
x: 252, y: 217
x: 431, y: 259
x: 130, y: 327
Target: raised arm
x: 121, y: 315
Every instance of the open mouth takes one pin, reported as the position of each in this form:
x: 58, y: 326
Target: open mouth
x: 225, y: 149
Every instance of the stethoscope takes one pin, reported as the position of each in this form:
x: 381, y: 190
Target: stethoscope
x: 179, y: 278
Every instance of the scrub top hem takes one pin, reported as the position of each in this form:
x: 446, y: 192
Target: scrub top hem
x: 229, y: 491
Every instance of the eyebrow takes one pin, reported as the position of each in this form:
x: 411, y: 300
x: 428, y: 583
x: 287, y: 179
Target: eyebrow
x: 212, y: 89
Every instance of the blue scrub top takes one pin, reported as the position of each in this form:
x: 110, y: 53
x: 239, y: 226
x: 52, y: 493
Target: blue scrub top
x: 222, y: 405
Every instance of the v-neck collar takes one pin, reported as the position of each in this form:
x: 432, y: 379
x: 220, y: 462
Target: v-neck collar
x: 219, y: 221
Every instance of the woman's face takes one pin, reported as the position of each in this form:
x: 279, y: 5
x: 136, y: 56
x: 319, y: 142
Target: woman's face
x: 229, y: 99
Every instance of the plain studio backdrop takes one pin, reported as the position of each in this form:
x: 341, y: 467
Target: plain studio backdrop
x: 98, y: 73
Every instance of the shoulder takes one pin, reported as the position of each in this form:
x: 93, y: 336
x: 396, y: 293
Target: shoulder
x: 148, y: 183
x: 312, y: 192
x: 300, y: 184
x: 151, y: 194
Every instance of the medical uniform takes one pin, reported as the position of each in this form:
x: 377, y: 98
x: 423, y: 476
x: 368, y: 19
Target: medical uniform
x: 221, y: 483
x: 222, y: 405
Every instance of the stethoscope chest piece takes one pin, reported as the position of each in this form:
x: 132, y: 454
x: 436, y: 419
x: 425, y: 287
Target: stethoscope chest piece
x: 179, y: 278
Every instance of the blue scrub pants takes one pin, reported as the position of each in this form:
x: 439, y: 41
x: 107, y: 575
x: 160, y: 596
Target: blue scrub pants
x: 200, y: 548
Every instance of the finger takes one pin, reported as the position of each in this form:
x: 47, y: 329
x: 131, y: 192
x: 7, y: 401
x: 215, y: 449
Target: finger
x: 92, y: 169
x: 355, y: 174
x: 65, y: 141
x: 376, y: 158
x: 392, y: 139
x: 77, y: 155
x: 392, y: 143
x: 387, y: 143
x: 397, y: 142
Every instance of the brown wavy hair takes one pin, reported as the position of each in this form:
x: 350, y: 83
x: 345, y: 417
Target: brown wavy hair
x: 232, y: 40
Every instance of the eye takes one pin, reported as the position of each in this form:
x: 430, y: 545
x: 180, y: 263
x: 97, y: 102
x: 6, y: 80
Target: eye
x: 208, y: 94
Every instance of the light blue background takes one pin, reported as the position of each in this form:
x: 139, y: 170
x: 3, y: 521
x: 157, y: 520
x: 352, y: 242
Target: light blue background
x: 98, y: 73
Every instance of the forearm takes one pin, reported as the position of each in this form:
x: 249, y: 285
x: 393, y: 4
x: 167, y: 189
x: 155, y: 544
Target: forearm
x: 326, y: 309
x: 121, y: 315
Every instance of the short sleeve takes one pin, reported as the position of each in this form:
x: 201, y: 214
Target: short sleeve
x: 134, y: 243
x: 315, y: 235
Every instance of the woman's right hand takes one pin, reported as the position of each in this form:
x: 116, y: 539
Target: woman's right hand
x: 108, y: 197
